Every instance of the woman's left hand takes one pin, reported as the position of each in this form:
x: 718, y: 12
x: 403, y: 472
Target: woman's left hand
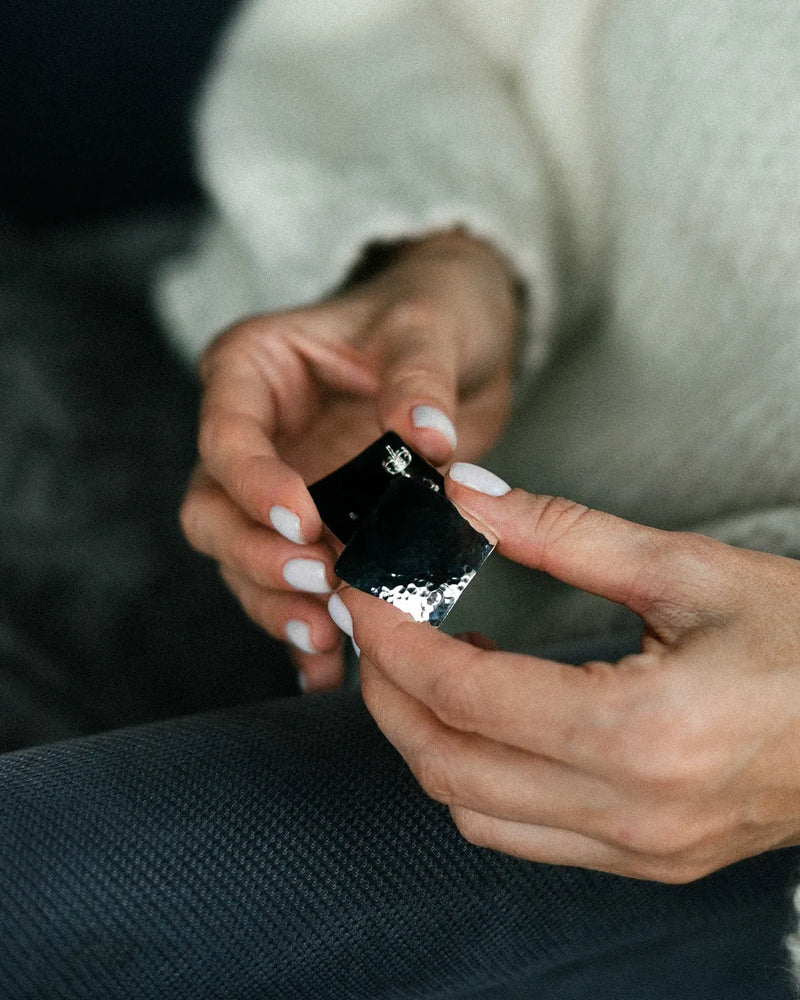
x: 667, y: 765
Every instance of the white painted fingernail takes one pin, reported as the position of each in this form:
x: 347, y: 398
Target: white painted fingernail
x: 307, y: 575
x: 340, y: 614
x: 299, y: 635
x: 474, y: 477
x: 434, y: 420
x: 286, y: 523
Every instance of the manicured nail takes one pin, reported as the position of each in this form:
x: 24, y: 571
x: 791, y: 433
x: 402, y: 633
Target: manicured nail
x: 340, y: 614
x: 286, y: 523
x: 434, y: 420
x: 299, y: 635
x: 474, y: 477
x: 307, y: 575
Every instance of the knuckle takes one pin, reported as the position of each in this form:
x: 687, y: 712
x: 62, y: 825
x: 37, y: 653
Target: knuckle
x: 248, y: 488
x: 188, y: 520
x: 416, y: 314
x: 256, y: 607
x: 384, y: 643
x: 475, y: 828
x: 240, y: 556
x: 207, y: 362
x: 234, y: 337
x: 557, y: 517
x: 246, y: 598
x: 415, y: 377
x: 601, y: 736
x: 217, y: 434
x: 651, y: 836
x: 372, y: 691
x: 413, y: 351
x: 667, y: 836
x: 218, y: 349
x: 192, y: 517
x: 250, y: 556
x: 456, y: 698
x: 658, y: 745
x: 689, y: 588
x: 674, y: 870
x: 430, y: 766
x: 661, y: 762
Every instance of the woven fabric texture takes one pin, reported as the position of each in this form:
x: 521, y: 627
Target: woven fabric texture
x: 284, y: 851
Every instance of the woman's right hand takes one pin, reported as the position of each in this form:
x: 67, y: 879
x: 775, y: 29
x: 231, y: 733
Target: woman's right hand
x: 422, y: 348
x: 669, y: 764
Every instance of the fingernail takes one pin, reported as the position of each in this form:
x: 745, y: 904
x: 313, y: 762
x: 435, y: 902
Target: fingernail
x: 474, y: 477
x: 340, y: 614
x: 307, y: 575
x: 299, y: 635
x: 286, y: 523
x: 432, y: 419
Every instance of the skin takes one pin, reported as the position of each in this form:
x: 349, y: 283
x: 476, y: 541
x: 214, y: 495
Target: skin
x: 289, y: 397
x: 667, y: 765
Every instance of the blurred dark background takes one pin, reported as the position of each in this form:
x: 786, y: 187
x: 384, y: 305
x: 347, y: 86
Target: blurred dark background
x: 106, y: 617
x: 94, y: 102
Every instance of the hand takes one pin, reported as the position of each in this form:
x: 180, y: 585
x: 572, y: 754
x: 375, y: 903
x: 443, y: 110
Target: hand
x: 670, y: 764
x: 422, y: 348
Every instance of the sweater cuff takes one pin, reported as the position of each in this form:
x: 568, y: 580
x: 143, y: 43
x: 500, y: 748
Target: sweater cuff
x: 220, y: 281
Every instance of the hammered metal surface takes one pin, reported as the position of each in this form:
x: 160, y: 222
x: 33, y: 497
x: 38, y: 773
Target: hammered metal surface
x: 415, y: 551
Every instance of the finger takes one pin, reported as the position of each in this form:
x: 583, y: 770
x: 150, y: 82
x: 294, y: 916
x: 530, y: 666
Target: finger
x: 338, y: 364
x: 532, y: 807
x: 462, y: 769
x: 298, y: 619
x: 418, y: 394
x: 641, y: 567
x: 238, y: 418
x: 580, y: 716
x: 303, y: 622
x: 261, y: 380
x: 547, y: 845
x: 216, y: 527
x: 320, y: 671
x: 277, y: 353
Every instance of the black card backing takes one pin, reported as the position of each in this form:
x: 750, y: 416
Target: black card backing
x: 352, y: 491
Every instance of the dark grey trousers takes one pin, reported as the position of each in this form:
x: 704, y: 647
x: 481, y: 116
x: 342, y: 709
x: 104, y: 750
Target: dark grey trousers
x: 283, y: 851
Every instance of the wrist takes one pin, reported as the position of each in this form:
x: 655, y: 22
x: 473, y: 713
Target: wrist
x: 453, y: 247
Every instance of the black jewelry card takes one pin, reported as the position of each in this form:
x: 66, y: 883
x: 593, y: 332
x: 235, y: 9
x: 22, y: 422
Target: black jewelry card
x: 415, y: 551
x: 352, y: 491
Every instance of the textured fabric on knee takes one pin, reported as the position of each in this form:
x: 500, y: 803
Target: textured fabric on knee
x: 284, y: 851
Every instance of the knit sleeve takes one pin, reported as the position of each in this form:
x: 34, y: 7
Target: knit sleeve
x: 327, y: 126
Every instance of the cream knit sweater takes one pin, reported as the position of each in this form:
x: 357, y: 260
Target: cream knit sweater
x: 640, y: 163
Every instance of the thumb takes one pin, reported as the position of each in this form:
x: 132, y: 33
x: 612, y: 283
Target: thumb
x: 643, y: 568
x: 418, y: 392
